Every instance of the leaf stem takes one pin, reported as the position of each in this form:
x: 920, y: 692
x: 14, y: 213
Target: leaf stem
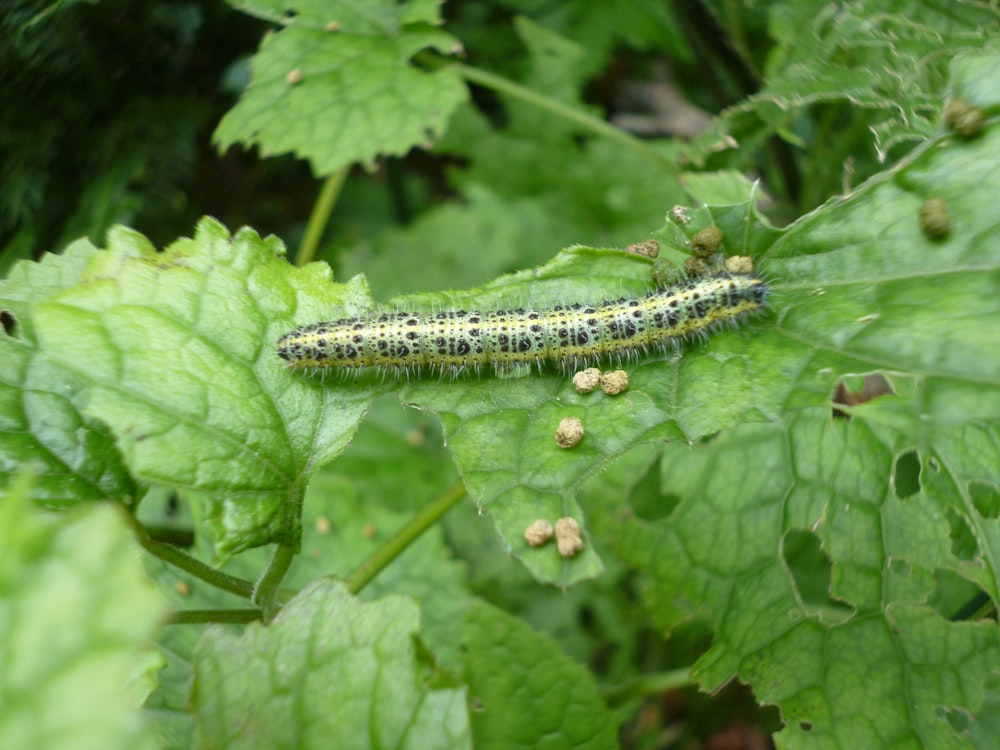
x: 179, y: 559
x: 595, y: 125
x: 267, y: 592
x: 220, y: 616
x: 404, y: 537
x: 320, y: 216
x: 647, y: 684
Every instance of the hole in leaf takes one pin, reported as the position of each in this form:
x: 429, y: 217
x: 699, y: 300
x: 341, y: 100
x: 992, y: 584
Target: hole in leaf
x: 805, y: 726
x: 906, y: 475
x: 978, y: 727
x: 811, y: 571
x: 963, y: 543
x: 647, y: 499
x: 729, y: 718
x: 860, y: 390
x: 9, y: 322
x: 958, y: 718
x: 900, y: 568
x: 956, y: 598
x: 986, y: 498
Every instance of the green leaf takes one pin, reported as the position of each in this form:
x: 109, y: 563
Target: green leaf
x: 177, y: 351
x: 856, y: 288
x: 735, y: 212
x: 848, y: 669
x: 42, y: 420
x: 76, y: 613
x: 524, y: 692
x: 329, y: 671
x: 347, y: 93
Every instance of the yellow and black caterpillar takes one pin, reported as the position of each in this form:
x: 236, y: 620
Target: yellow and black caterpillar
x: 568, y: 336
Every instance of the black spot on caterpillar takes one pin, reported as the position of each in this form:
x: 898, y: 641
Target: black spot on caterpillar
x: 568, y: 336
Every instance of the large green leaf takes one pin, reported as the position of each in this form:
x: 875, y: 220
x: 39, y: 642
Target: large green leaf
x: 816, y: 573
x: 176, y: 349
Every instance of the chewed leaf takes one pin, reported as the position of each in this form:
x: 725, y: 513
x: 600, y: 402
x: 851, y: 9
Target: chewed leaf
x: 841, y: 553
x: 843, y: 640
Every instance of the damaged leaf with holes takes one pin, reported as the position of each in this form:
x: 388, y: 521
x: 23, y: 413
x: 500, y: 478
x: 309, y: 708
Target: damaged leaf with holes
x: 832, y: 593
x: 846, y: 555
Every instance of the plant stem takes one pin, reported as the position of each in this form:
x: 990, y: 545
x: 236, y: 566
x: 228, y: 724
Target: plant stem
x: 647, y: 684
x: 221, y: 616
x: 320, y: 215
x: 267, y: 591
x: 595, y: 125
x: 173, y: 556
x: 404, y: 537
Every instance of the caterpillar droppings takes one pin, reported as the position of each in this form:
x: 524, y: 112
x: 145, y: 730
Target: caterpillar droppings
x: 465, y: 341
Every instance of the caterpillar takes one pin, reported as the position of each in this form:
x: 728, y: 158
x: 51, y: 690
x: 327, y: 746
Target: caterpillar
x: 568, y: 336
